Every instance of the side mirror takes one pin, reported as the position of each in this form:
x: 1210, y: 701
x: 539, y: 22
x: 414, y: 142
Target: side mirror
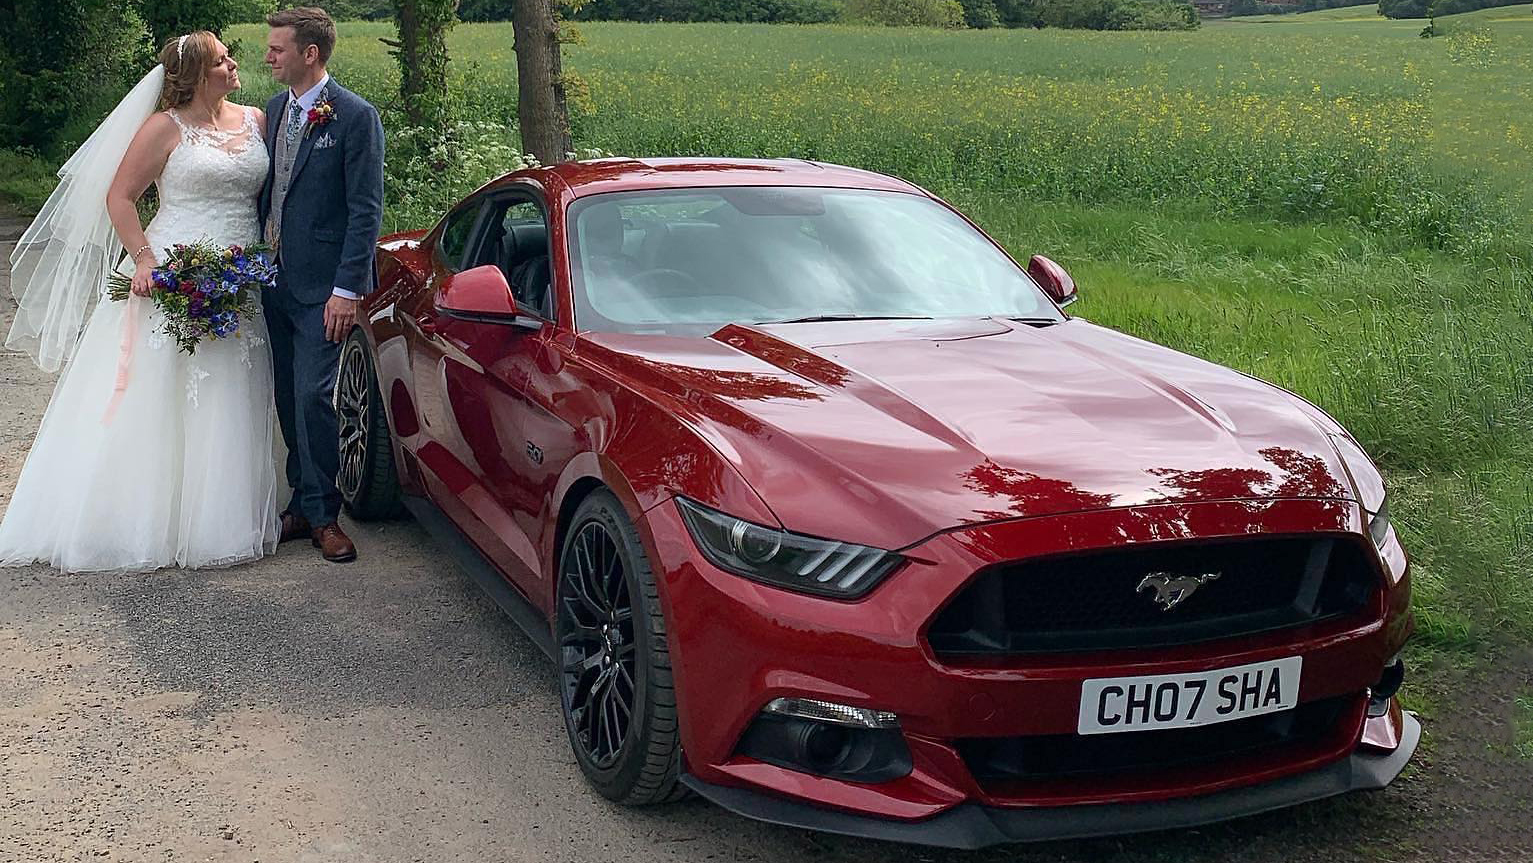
x: 1053, y: 279
x: 481, y: 295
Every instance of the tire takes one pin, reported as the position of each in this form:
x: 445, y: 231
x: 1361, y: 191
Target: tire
x: 367, y: 481
x: 615, y: 688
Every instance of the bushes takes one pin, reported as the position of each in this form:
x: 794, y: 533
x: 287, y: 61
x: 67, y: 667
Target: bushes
x: 51, y: 96
x: 1118, y: 14
x: 1151, y: 15
x: 1428, y: 8
x: 1098, y: 14
x: 980, y: 14
x: 906, y: 13
x: 250, y: 11
x: 168, y: 19
x: 1260, y: 7
x: 744, y: 11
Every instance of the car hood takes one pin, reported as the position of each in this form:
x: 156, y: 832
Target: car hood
x: 885, y: 432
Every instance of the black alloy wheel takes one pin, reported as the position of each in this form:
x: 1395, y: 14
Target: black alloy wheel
x: 367, y: 481
x: 614, y: 666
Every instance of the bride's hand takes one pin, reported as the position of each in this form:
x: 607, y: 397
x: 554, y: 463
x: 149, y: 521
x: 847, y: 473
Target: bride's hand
x: 143, y: 277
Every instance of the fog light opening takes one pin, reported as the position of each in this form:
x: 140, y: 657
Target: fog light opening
x: 1385, y: 689
x: 828, y: 739
x: 823, y: 746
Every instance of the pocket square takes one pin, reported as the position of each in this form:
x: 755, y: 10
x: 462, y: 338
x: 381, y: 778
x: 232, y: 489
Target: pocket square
x: 324, y: 141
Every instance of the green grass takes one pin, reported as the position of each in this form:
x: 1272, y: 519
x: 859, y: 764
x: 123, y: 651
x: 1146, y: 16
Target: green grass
x: 26, y: 179
x: 1523, y: 741
x: 1326, y: 201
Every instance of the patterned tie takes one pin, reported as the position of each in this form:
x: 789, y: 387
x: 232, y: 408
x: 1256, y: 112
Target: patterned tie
x: 294, y: 122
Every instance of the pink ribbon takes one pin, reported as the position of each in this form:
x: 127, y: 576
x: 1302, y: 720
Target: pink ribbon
x: 124, y: 356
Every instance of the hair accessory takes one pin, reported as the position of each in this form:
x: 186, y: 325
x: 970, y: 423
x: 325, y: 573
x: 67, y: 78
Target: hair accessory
x: 181, y: 47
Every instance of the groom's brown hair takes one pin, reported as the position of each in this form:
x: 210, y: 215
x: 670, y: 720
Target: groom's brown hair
x: 311, y: 26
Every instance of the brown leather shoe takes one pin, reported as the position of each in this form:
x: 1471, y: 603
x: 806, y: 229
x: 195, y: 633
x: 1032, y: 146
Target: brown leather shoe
x: 294, y: 526
x: 333, y: 543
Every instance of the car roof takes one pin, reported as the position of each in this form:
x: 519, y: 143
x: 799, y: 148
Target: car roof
x: 597, y: 176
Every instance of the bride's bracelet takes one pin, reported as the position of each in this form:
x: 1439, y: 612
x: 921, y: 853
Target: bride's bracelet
x: 141, y: 250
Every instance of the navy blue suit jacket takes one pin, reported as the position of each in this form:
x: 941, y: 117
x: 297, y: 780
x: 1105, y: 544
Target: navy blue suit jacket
x: 334, y: 206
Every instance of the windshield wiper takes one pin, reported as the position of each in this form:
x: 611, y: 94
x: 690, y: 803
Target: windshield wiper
x: 848, y: 317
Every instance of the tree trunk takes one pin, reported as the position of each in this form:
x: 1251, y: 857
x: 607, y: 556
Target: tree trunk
x: 540, y: 108
x: 422, y: 55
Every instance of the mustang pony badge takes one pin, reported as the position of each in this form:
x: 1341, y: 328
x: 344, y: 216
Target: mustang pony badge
x: 1170, y: 589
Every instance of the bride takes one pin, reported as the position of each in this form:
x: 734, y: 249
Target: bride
x: 147, y: 457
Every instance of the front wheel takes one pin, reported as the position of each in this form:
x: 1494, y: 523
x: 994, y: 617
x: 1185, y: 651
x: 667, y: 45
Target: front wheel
x: 367, y: 481
x: 616, y: 693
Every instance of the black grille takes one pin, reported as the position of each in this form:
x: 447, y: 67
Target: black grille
x: 1104, y: 600
x: 1023, y: 759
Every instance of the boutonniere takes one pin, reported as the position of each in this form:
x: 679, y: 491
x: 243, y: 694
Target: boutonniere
x: 322, y: 113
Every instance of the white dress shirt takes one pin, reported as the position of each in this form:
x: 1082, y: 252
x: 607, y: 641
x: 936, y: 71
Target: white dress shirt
x: 305, y: 102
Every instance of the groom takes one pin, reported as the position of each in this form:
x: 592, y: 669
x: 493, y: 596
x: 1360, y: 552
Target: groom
x: 322, y: 207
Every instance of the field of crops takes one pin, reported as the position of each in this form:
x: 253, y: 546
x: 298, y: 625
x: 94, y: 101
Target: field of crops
x: 1327, y: 201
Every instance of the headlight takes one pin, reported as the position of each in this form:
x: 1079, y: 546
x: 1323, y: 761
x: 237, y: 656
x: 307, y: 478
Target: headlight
x: 1378, y: 524
x: 1369, y: 484
x: 791, y: 560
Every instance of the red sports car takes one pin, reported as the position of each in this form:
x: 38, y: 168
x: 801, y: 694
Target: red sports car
x: 827, y: 511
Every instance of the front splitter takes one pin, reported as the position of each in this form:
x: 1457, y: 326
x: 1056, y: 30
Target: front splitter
x: 972, y: 825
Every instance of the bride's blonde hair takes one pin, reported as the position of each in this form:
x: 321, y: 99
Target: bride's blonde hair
x: 186, y: 60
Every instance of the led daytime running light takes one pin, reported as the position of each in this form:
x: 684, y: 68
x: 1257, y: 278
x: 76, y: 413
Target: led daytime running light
x: 829, y: 711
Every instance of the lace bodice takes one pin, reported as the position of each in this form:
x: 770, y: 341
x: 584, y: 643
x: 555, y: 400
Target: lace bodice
x: 209, y: 186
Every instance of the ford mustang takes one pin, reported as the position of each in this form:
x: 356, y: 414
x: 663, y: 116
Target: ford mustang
x: 826, y: 510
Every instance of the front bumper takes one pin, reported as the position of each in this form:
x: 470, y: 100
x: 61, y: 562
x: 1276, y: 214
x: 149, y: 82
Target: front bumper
x: 736, y: 645
x: 974, y: 825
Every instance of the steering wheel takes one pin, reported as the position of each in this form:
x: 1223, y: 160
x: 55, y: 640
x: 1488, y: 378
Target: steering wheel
x: 665, y: 276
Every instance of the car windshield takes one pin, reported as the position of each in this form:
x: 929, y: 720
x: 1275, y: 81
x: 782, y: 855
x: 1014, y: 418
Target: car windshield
x: 686, y: 262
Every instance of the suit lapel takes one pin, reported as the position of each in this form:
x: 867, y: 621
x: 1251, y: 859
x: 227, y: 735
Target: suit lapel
x: 306, y: 137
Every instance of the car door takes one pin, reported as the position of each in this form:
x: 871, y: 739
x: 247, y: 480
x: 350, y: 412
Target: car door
x: 519, y: 445
x: 447, y: 356
x: 496, y: 448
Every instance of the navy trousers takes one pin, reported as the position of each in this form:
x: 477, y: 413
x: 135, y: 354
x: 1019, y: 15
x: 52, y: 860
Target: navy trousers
x: 304, y: 369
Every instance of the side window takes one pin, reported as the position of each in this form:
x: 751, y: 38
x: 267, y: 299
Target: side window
x: 455, y: 237
x: 523, y: 256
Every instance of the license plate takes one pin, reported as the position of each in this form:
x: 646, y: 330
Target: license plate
x: 1113, y: 704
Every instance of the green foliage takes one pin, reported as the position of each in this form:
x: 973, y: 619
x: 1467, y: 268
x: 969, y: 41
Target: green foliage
x: 421, y: 52
x: 743, y: 11
x: 168, y: 19
x: 429, y: 170
x: 26, y: 179
x: 906, y: 13
x: 351, y: 10
x: 980, y: 14
x: 1258, y: 7
x: 1118, y: 14
x: 250, y: 11
x: 1404, y: 8
x: 1020, y: 13
x: 48, y: 93
x: 1429, y: 8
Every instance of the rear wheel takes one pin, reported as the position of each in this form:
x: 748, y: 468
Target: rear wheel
x: 367, y: 481
x: 615, y: 688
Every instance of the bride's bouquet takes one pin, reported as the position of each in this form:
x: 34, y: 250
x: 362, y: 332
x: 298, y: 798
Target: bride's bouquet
x: 203, y: 290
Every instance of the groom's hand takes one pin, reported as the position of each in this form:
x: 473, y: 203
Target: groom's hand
x: 340, y: 315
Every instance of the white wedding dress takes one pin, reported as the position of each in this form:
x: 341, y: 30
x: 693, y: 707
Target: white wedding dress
x: 182, y: 472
